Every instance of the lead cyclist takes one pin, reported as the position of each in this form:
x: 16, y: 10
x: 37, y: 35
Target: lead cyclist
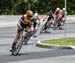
x: 24, y: 22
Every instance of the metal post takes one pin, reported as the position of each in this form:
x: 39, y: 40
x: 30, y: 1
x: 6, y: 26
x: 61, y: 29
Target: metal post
x: 28, y: 4
x: 65, y: 19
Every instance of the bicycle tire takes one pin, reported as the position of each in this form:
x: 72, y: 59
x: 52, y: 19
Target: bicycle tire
x: 18, y: 47
x: 41, y: 31
x: 42, y: 28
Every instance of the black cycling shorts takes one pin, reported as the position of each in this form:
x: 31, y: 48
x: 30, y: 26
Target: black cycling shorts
x: 23, y: 26
x: 49, y: 18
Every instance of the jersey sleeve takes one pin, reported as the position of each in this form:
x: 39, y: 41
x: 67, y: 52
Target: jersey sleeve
x: 22, y: 18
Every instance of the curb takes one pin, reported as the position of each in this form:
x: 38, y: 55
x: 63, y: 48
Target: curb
x: 39, y: 44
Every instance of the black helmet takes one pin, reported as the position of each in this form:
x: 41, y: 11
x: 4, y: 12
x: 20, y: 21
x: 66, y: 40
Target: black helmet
x: 50, y: 12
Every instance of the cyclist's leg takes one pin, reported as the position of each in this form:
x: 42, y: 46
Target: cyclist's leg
x: 48, y: 25
x: 45, y: 27
x: 29, y: 29
x: 59, y: 24
x: 62, y: 24
x: 62, y: 21
x: 52, y: 21
x: 35, y: 25
x: 19, y: 31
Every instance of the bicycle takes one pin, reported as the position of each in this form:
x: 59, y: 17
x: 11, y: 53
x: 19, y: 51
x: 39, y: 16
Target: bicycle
x: 45, y: 27
x: 24, y: 37
x: 59, y: 24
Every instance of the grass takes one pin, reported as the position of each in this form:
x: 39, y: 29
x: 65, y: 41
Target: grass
x: 61, y: 41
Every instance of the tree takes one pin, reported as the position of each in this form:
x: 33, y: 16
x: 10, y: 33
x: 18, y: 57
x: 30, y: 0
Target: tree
x: 40, y: 6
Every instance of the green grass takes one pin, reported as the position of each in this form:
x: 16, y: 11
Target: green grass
x: 62, y: 41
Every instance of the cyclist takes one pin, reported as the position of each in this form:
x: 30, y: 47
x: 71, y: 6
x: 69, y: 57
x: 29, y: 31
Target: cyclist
x: 24, y: 22
x: 36, y: 21
x: 62, y: 18
x: 50, y: 20
x: 63, y: 14
x: 57, y: 13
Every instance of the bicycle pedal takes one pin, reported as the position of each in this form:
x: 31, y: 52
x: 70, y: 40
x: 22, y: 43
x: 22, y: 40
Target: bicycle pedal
x: 34, y: 36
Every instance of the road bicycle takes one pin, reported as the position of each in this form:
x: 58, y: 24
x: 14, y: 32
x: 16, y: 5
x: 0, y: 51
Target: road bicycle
x: 24, y: 37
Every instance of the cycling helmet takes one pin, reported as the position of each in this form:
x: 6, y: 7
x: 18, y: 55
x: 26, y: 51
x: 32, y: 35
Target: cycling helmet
x: 50, y: 12
x: 29, y: 13
x: 36, y: 14
x: 57, y: 8
x: 63, y: 9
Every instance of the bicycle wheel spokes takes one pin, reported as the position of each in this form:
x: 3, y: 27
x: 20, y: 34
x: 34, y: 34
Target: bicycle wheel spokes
x: 42, y: 29
x: 17, y: 47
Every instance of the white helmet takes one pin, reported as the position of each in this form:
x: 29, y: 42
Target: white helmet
x: 36, y: 14
x: 58, y: 9
x: 63, y: 9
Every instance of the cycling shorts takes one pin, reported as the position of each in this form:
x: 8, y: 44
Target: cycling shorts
x: 49, y: 18
x: 23, y: 26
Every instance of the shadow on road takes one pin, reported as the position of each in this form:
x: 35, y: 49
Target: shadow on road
x: 37, y: 55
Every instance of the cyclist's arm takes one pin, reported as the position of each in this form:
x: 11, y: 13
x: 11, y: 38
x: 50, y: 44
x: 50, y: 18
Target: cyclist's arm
x: 39, y: 18
x: 20, y: 20
x: 18, y: 23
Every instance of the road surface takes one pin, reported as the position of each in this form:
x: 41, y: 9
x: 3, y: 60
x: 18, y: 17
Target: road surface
x: 30, y: 53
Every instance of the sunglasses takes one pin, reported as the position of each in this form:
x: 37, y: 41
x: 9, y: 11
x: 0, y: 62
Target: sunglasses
x: 30, y: 16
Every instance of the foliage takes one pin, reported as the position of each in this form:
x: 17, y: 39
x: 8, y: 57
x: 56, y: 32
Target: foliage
x: 41, y: 6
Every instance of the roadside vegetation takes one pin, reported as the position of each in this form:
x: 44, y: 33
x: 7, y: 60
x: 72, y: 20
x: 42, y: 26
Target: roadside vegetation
x: 61, y: 41
x: 17, y: 7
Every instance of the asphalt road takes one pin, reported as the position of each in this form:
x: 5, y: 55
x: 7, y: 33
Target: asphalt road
x: 30, y: 53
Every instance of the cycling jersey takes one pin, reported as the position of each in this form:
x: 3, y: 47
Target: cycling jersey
x: 35, y: 18
x: 58, y: 12
x: 63, y: 14
x: 26, y: 19
x: 50, y: 15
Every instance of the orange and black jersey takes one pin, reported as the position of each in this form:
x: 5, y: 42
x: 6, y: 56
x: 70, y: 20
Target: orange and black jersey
x: 25, y: 19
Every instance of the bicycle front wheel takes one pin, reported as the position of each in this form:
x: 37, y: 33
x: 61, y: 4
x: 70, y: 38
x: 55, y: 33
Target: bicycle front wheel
x: 18, y: 47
